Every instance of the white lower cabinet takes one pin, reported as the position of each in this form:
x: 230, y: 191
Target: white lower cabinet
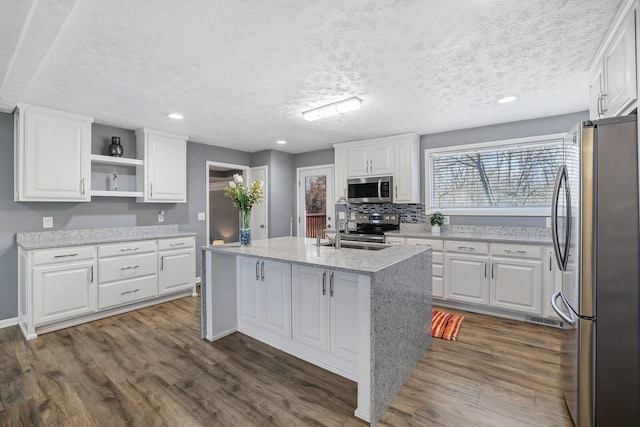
x: 325, y: 314
x: 552, y: 283
x: 466, y: 278
x: 63, y: 291
x: 264, y: 294
x: 177, y: 264
x: 516, y: 284
x: 437, y: 256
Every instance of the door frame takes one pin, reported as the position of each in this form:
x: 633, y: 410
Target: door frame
x: 298, y: 187
x: 265, y: 192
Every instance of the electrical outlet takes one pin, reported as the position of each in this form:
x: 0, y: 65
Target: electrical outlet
x: 47, y: 222
x: 202, y: 216
x: 445, y: 220
x: 161, y: 216
x: 548, y: 222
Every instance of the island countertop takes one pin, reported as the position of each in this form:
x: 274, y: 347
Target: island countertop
x: 298, y: 250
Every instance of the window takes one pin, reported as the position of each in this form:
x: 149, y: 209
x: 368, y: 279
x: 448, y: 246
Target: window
x: 513, y: 177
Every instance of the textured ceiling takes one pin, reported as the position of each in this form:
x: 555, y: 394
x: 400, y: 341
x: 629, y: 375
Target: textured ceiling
x: 242, y: 71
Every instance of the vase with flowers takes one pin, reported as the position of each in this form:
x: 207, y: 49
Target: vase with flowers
x: 244, y: 197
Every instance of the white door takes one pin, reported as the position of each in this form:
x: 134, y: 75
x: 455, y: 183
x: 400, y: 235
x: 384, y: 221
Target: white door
x: 466, y: 278
x: 276, y: 296
x: 176, y: 270
x: 620, y: 68
x: 311, y: 310
x: 167, y: 169
x: 343, y: 315
x: 516, y: 284
x: 63, y: 291
x: 259, y: 213
x: 249, y: 291
x: 315, y: 200
x: 57, y: 158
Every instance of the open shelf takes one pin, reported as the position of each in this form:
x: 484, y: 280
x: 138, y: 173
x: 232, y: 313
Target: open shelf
x: 105, y: 193
x: 109, y: 160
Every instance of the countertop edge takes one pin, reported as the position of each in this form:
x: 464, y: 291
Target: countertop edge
x: 92, y: 242
x: 473, y: 237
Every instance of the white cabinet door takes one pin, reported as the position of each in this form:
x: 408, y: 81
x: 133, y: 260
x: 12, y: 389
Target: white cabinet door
x: 343, y: 315
x: 406, y: 170
x: 165, y: 166
x: 63, y: 291
x: 177, y: 270
x: 516, y: 284
x: 438, y: 287
x: 596, y: 89
x: 249, y: 291
x: 52, y: 156
x: 552, y: 283
x: 276, y: 295
x: 341, y: 173
x: 358, y: 161
x: 620, y: 68
x: 381, y: 156
x: 465, y: 278
x: 311, y: 311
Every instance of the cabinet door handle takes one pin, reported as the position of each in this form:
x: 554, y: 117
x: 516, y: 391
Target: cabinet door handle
x: 549, y: 261
x: 601, y: 102
x: 151, y: 189
x: 83, y: 186
x: 65, y: 256
x: 162, y: 262
x: 257, y: 270
x: 324, y: 283
x: 466, y: 248
x: 331, y: 285
x: 130, y: 268
x: 262, y: 270
x: 511, y: 251
x: 92, y: 274
x: 176, y: 244
x: 598, y: 106
x: 493, y: 264
x: 485, y: 269
x: 130, y: 292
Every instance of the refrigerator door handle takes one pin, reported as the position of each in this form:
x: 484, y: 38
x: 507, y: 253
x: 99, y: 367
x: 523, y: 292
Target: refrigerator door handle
x: 569, y: 319
x: 554, y: 216
x: 567, y: 237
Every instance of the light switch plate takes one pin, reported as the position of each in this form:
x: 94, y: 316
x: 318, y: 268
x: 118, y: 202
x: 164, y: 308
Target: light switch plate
x: 202, y: 216
x: 445, y: 220
x: 161, y: 216
x: 47, y: 222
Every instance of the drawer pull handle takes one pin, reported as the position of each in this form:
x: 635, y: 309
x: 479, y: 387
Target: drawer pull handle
x: 130, y: 268
x: 176, y: 244
x: 511, y: 251
x: 65, y: 256
x: 129, y: 249
x: 130, y: 292
x: 466, y: 248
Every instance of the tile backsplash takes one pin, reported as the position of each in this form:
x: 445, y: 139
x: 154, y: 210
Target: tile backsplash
x: 409, y: 214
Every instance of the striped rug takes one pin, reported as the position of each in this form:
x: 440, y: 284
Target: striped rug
x: 445, y: 325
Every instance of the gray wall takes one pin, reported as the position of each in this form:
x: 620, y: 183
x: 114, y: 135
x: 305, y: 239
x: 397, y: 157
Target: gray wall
x: 100, y: 212
x: 313, y: 158
x: 525, y: 128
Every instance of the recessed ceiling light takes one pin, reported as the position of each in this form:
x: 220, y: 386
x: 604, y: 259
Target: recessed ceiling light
x: 175, y: 116
x: 507, y: 99
x: 281, y: 142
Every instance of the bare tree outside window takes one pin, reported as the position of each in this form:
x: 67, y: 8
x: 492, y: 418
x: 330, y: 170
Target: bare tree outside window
x: 500, y: 177
x: 316, y: 194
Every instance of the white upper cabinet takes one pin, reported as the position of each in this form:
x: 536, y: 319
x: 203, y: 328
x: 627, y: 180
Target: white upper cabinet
x: 370, y: 159
x: 341, y: 172
x: 52, y: 155
x: 614, y: 69
x: 165, y: 166
x: 406, y: 168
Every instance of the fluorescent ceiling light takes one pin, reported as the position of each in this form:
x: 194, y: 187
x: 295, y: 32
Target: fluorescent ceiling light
x: 507, y: 99
x: 281, y: 142
x: 175, y: 116
x: 332, y: 109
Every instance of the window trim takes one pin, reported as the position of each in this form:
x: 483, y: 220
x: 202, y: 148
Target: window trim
x: 482, y: 211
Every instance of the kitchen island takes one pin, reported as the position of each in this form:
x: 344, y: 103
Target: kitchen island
x: 358, y: 313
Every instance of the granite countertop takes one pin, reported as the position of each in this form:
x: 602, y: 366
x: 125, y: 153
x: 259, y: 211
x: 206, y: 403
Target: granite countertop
x: 298, y: 250
x: 95, y: 236
x: 486, y: 237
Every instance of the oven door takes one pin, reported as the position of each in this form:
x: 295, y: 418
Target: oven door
x: 370, y: 190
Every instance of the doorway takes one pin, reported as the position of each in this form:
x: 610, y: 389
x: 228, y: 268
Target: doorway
x: 315, y: 200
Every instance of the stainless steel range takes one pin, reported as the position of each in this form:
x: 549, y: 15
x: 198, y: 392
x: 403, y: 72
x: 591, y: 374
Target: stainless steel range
x: 371, y: 227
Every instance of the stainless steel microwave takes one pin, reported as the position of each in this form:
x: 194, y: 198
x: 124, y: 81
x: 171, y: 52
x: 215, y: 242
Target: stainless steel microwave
x: 370, y: 190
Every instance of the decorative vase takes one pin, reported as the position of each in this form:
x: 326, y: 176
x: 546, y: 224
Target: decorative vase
x: 115, y: 149
x: 435, y: 229
x: 245, y: 228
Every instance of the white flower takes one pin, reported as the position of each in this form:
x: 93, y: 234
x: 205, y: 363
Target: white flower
x: 232, y: 184
x: 238, y: 179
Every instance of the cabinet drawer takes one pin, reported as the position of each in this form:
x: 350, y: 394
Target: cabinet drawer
x: 520, y: 251
x: 394, y: 240
x: 178, y: 243
x: 438, y: 257
x: 128, y: 248
x: 126, y: 267
x: 437, y: 245
x: 438, y: 270
x: 127, y: 291
x: 466, y: 247
x: 54, y: 256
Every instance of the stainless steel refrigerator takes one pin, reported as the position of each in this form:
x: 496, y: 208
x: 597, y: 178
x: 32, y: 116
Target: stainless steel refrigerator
x: 596, y: 239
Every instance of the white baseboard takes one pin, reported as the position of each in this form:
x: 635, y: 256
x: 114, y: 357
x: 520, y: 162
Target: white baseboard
x: 8, y: 322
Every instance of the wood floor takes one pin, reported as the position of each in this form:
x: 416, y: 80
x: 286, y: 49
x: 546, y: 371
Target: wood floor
x: 150, y: 368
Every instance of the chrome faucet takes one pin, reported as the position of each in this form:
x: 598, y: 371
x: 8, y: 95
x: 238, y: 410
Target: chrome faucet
x: 338, y: 243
